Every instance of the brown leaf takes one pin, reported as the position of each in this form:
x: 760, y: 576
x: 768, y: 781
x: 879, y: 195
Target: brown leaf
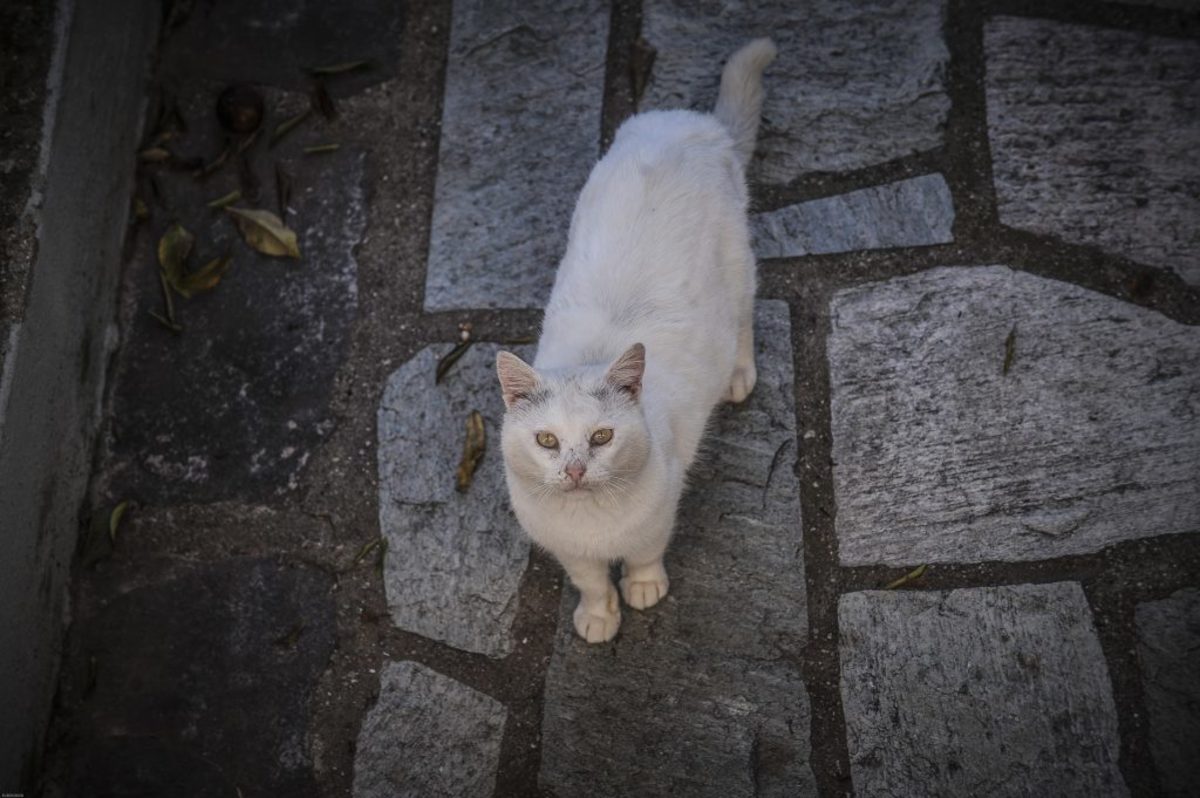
x: 173, y: 250
x: 114, y: 520
x: 265, y: 232
x: 473, y: 448
x: 287, y: 126
x: 337, y: 69
x: 140, y: 211
x: 206, y: 277
x: 154, y: 155
x: 1010, y: 350
x: 448, y: 360
x: 227, y: 199
x: 321, y: 148
x: 912, y: 575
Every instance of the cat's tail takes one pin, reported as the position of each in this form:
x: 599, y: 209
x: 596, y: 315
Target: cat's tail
x: 739, y: 102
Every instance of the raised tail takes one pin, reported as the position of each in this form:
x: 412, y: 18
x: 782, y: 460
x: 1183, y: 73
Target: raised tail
x: 739, y: 103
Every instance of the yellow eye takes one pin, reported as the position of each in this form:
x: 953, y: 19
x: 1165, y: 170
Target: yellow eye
x: 601, y: 437
x: 547, y: 440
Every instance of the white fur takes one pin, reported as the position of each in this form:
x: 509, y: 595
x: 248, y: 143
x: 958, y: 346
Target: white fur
x: 658, y: 254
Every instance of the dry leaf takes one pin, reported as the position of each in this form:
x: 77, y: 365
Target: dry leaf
x: 473, y: 449
x: 265, y: 232
x: 449, y: 359
x: 154, y: 155
x: 1010, y: 350
x: 140, y: 212
x: 287, y: 125
x: 337, y: 69
x: 228, y: 199
x: 170, y: 325
x: 915, y: 573
x: 114, y: 520
x: 217, y: 163
x: 170, y: 303
x: 173, y: 250
x: 205, y: 278
x: 321, y: 148
x: 366, y: 549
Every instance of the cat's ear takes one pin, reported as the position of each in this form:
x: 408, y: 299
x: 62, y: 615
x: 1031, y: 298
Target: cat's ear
x: 626, y: 371
x: 518, y: 380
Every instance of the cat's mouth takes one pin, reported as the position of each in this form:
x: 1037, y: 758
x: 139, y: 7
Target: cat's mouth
x: 580, y: 489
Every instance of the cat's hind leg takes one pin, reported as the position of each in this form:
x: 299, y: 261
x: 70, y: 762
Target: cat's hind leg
x: 598, y: 614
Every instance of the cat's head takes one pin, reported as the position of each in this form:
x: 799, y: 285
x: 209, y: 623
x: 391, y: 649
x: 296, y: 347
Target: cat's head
x: 575, y: 432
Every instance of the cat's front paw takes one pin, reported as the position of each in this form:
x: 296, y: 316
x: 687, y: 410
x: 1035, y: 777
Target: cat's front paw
x: 742, y: 383
x: 598, y: 624
x: 645, y: 587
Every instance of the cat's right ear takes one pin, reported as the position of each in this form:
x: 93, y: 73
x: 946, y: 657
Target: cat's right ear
x: 518, y: 380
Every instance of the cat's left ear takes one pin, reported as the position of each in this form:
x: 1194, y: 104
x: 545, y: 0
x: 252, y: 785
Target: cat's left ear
x: 518, y: 380
x: 626, y: 371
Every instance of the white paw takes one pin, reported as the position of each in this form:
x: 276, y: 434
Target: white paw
x: 642, y: 593
x: 598, y: 624
x: 742, y: 383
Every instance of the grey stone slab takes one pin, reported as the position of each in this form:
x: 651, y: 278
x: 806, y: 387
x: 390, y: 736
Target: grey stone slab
x: 908, y: 213
x: 428, y: 736
x: 200, y: 676
x: 856, y: 83
x: 939, y: 456
x: 1168, y: 639
x: 454, y: 560
x: 696, y: 696
x: 520, y: 132
x: 234, y: 406
x: 277, y: 42
x: 1094, y: 135
x: 998, y: 691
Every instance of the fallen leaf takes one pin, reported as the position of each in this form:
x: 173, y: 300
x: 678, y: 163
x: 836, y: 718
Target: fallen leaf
x: 337, y: 69
x: 287, y: 126
x: 366, y: 549
x: 228, y: 199
x: 173, y: 250
x: 449, y: 359
x: 321, y: 148
x: 154, y: 155
x: 140, y: 211
x: 248, y: 141
x: 170, y: 325
x: 641, y: 62
x: 114, y: 520
x: 265, y: 232
x: 167, y: 300
x: 473, y: 448
x: 247, y: 178
x: 915, y: 573
x: 1010, y: 350
x: 322, y: 101
x: 206, y: 277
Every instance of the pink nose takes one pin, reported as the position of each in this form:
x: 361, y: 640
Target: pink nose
x: 576, y: 471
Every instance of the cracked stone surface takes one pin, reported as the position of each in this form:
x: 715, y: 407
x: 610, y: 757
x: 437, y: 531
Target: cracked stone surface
x: 1168, y: 633
x: 856, y: 83
x: 233, y: 407
x: 428, y: 735
x: 907, y: 213
x: 982, y: 691
x: 939, y: 456
x: 454, y: 560
x: 730, y: 716
x: 201, y: 680
x: 1094, y: 134
x: 520, y: 131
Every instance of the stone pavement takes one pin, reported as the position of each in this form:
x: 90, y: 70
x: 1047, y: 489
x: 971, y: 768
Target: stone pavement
x: 979, y: 351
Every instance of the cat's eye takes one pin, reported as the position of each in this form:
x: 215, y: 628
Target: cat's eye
x: 547, y: 440
x: 601, y: 437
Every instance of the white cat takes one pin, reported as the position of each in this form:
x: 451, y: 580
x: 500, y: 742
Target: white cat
x: 649, y: 327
